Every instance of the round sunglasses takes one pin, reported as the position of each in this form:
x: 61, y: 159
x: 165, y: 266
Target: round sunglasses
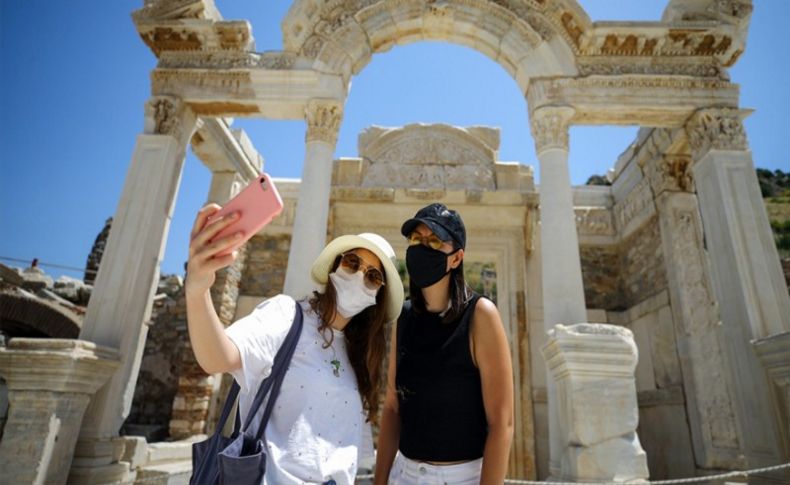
x: 352, y: 263
x: 432, y: 241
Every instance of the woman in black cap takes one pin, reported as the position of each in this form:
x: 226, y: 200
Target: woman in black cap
x: 448, y: 412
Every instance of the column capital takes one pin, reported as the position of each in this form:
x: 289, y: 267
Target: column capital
x: 716, y: 129
x: 168, y: 115
x: 550, y: 127
x: 323, y: 118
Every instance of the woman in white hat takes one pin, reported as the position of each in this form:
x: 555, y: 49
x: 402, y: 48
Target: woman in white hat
x: 319, y: 428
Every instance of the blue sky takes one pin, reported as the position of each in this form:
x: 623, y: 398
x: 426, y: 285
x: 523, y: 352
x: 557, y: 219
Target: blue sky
x: 74, y: 77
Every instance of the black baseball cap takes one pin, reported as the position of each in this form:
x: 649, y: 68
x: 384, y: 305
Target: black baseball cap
x: 445, y: 223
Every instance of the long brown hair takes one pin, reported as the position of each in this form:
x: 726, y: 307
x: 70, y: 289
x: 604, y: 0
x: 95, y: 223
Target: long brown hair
x: 365, y: 341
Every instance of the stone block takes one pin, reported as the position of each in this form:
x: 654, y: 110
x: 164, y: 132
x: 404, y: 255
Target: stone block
x: 666, y: 438
x: 172, y: 451
x: 379, y: 26
x: 663, y: 348
x: 621, y: 459
x: 135, y: 451
x: 593, y: 369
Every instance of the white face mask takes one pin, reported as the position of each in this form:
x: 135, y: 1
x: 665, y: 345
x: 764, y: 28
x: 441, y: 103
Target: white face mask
x: 352, y: 294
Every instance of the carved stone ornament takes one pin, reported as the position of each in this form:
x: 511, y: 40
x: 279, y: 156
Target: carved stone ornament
x: 176, y: 9
x: 670, y: 172
x: 226, y: 60
x: 164, y: 116
x: 637, y: 204
x: 716, y: 129
x: 550, y: 127
x: 323, y: 120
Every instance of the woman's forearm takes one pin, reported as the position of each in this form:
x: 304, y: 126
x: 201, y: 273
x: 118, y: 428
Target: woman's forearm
x: 214, y: 351
x: 496, y: 454
x: 389, y: 435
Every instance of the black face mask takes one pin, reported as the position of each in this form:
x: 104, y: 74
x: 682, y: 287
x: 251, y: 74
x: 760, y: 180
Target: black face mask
x: 426, y: 266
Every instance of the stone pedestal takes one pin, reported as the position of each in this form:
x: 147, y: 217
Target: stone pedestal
x: 593, y: 369
x: 50, y: 382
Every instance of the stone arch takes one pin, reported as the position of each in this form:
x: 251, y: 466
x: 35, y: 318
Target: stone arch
x: 528, y: 39
x: 21, y: 316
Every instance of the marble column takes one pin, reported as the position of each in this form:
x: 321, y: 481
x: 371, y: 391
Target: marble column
x: 593, y: 366
x: 745, y: 269
x: 125, y: 285
x: 312, y: 208
x: 50, y: 382
x: 563, y: 292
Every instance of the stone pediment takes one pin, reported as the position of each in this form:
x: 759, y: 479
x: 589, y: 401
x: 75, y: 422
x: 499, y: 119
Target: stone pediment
x: 429, y: 156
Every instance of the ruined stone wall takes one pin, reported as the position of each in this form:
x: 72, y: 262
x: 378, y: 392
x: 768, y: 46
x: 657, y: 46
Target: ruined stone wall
x: 157, y: 382
x: 193, y: 401
x: 617, y: 277
x: 603, y: 285
x: 267, y: 260
x: 644, y: 274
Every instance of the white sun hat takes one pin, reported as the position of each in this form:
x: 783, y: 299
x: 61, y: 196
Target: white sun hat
x: 378, y: 246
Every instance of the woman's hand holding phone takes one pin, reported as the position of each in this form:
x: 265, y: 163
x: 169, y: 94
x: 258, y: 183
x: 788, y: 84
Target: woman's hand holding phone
x: 219, y: 231
x: 204, y: 261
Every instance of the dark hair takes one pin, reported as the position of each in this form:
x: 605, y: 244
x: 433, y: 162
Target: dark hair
x: 458, y: 294
x: 365, y: 341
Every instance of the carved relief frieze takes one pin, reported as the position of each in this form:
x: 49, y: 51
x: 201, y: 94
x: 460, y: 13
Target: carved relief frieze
x: 226, y: 60
x: 430, y: 156
x: 232, y: 83
x: 594, y: 221
x: 323, y: 24
x: 716, y: 129
x: 323, y: 118
x: 638, y: 202
x: 548, y: 92
x: 607, y: 66
x: 550, y: 127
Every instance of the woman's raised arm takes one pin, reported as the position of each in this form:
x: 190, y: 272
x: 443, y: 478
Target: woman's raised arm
x: 214, y: 351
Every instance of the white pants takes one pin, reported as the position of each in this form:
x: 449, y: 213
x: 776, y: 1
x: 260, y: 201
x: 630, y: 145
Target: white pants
x: 409, y: 472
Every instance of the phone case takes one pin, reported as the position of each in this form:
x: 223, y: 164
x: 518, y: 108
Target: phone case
x: 257, y: 204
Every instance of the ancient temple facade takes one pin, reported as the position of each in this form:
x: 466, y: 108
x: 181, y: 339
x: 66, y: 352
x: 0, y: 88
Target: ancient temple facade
x: 648, y: 319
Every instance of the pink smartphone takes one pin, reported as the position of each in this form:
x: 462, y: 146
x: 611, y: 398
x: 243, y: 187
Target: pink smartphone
x: 257, y: 204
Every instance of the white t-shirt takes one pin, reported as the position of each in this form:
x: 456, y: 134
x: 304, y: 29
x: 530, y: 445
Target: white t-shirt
x: 317, y: 429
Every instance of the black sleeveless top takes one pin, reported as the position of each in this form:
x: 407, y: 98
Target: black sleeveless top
x: 440, y: 398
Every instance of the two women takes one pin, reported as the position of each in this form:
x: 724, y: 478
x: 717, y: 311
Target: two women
x: 318, y: 429
x: 448, y: 411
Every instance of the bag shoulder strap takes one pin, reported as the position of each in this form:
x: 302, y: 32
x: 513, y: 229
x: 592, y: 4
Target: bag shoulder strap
x: 279, y: 368
x: 230, y: 400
